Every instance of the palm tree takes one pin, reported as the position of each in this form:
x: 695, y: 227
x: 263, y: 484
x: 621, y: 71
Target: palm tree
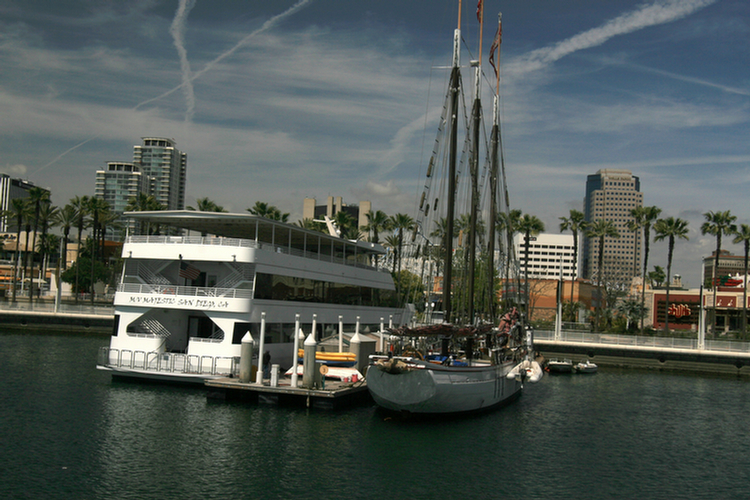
x: 717, y: 224
x: 98, y: 209
x: 644, y: 217
x: 576, y: 222
x: 399, y: 224
x: 742, y: 235
x: 37, y: 197
x: 47, y: 216
x: 529, y: 225
x: 601, y: 229
x: 376, y: 222
x: 144, y: 203
x: 80, y: 204
x: 19, y: 212
x: 206, y: 205
x: 391, y: 242
x: 346, y: 224
x: 670, y: 228
x: 65, y: 219
x: 657, y: 276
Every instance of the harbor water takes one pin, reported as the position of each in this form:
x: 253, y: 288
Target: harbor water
x: 69, y: 431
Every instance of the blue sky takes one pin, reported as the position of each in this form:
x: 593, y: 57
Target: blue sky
x: 277, y: 101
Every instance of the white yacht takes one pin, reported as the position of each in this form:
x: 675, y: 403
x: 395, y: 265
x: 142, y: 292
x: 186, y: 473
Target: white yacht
x: 189, y: 295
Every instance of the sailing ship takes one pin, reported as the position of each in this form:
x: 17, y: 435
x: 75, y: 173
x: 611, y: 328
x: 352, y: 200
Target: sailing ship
x: 188, y: 296
x: 446, y: 369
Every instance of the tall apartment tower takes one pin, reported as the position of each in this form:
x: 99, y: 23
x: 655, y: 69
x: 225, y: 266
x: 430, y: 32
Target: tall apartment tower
x: 611, y: 195
x: 166, y: 168
x: 9, y: 190
x: 117, y: 184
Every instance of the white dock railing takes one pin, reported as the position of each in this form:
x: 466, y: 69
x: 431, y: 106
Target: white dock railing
x: 169, y: 362
x: 642, y: 341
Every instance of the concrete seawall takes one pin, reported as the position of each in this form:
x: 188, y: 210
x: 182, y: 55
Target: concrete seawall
x: 59, y: 322
x: 668, y: 359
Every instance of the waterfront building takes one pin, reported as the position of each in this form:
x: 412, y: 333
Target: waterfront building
x: 729, y: 265
x: 548, y: 255
x: 11, y: 189
x: 310, y: 210
x: 117, y: 184
x: 611, y: 195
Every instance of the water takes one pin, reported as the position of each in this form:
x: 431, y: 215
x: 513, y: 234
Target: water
x: 69, y: 432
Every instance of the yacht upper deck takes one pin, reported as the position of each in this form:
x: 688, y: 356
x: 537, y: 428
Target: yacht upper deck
x: 250, y: 231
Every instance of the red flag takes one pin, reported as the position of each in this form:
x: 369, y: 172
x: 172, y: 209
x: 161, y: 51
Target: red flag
x: 479, y: 11
x: 493, y: 48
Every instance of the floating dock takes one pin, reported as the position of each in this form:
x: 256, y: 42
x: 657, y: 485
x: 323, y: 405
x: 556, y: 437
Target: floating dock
x: 334, y: 395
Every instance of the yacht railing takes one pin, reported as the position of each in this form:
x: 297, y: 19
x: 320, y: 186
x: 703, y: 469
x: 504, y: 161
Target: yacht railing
x: 168, y: 362
x: 239, y: 242
x: 186, y: 291
x: 642, y: 341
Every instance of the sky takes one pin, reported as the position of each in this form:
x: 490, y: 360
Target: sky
x: 279, y: 101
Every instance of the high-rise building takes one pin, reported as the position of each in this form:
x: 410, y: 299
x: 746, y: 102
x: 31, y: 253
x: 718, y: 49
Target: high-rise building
x: 166, y: 167
x: 611, y: 195
x: 11, y: 189
x: 158, y: 169
x: 117, y: 184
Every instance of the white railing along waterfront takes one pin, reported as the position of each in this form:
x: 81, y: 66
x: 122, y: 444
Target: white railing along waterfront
x: 168, y: 362
x: 642, y: 341
x: 49, y: 307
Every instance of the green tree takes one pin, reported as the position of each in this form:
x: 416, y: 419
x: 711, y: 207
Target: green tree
x: 80, y: 203
x: 391, y: 241
x: 657, y: 276
x: 742, y: 235
x: 575, y: 222
x: 80, y: 275
x: 410, y: 287
x: 670, y: 228
x: 644, y: 217
x: 601, y: 229
x: 717, y: 224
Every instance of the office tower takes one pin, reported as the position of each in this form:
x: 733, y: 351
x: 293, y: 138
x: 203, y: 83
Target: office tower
x: 117, y: 184
x: 611, y: 195
x: 11, y: 189
x: 166, y: 169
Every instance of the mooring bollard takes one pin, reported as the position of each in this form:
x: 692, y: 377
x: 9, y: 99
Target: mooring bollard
x: 308, y: 375
x: 246, y: 358
x: 274, y: 375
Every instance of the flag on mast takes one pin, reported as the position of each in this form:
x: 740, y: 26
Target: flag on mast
x: 495, y: 44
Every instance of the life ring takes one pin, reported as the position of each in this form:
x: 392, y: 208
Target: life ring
x: 168, y: 291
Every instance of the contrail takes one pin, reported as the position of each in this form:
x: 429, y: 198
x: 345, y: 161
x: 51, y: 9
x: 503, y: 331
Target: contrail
x: 187, y: 78
x: 177, y: 30
x: 660, y: 12
x: 270, y: 23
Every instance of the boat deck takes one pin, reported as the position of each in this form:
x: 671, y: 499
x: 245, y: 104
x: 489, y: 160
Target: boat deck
x: 334, y: 395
